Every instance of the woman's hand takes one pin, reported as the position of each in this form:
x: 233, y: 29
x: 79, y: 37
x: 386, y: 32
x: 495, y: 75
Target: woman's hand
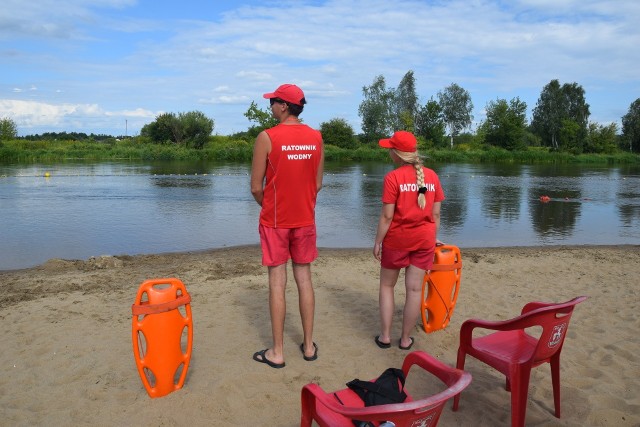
x: 377, y: 250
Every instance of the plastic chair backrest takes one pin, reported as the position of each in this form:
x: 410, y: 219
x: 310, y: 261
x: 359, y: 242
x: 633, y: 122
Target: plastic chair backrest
x: 326, y: 411
x: 440, y: 288
x: 554, y: 320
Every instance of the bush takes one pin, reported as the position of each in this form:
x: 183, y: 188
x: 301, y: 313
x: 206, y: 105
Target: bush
x: 339, y: 133
x: 190, y: 129
x: 8, y: 129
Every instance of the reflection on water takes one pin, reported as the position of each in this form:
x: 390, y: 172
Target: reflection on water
x: 83, y: 210
x: 177, y: 182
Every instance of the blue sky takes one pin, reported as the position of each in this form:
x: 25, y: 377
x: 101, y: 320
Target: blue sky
x: 111, y: 66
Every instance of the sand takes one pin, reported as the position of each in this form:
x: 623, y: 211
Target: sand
x: 67, y: 356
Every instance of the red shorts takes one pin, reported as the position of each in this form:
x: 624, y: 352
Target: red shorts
x: 280, y: 244
x: 394, y: 259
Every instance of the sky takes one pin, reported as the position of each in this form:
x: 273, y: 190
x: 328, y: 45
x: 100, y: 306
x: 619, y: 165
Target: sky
x: 112, y: 66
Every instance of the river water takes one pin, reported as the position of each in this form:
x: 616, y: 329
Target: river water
x: 80, y: 210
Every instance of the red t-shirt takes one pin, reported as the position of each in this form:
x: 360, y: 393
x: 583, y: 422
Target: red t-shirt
x: 290, y: 189
x: 412, y: 228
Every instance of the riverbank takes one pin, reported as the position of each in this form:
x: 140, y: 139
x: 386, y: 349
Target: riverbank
x: 240, y: 149
x: 67, y: 357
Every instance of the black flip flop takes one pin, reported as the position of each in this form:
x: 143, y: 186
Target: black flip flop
x: 263, y: 359
x: 309, y: 358
x: 407, y: 347
x: 382, y: 344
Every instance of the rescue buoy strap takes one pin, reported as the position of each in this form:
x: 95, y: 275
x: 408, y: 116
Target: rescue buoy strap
x: 146, y: 308
x: 446, y: 267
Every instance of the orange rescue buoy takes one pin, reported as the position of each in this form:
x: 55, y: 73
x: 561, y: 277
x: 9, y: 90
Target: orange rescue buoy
x: 162, y: 335
x: 440, y: 288
x: 545, y: 199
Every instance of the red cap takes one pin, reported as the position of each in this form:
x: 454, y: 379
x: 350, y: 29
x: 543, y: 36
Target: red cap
x: 288, y: 92
x: 401, y: 141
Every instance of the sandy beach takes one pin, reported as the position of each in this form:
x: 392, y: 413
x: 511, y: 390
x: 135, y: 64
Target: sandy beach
x: 67, y: 356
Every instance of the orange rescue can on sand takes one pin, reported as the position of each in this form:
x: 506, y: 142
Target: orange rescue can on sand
x: 162, y: 335
x: 440, y: 288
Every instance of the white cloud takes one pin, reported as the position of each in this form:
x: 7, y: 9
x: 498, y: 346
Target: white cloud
x: 254, y: 75
x: 34, y: 114
x: 137, y: 113
x: 30, y: 113
x: 227, y: 99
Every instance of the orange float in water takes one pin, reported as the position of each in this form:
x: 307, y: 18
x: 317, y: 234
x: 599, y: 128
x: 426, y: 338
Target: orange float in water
x: 440, y: 288
x: 162, y: 335
x: 545, y: 199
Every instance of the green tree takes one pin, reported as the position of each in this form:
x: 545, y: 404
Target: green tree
x: 191, y: 129
x: 196, y: 128
x: 375, y: 110
x: 163, y: 130
x: 430, y: 124
x: 631, y: 127
x: 8, y: 129
x: 263, y: 118
x: 506, y: 123
x: 558, y: 106
x: 570, y: 136
x: 577, y: 112
x: 339, y: 133
x: 456, y: 106
x: 601, y: 139
x: 405, y: 104
x: 547, y: 114
x: 577, y: 107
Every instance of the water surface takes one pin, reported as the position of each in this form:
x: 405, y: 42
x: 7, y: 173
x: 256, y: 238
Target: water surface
x: 82, y: 210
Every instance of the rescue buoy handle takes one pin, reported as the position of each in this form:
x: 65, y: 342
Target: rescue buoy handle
x: 146, y: 308
x: 446, y: 267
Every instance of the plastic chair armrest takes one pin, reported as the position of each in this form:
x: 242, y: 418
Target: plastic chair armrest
x: 313, y: 392
x: 456, y: 380
x: 466, y: 330
x: 534, y: 306
x: 537, y: 304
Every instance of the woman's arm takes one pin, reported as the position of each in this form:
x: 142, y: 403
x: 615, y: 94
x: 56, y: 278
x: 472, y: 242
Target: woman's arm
x: 436, y: 218
x: 386, y: 216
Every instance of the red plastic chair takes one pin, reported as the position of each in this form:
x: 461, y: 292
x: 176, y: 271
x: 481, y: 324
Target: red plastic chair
x: 513, y: 352
x: 325, y: 409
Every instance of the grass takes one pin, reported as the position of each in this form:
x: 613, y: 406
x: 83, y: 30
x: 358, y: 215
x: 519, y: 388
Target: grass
x: 222, y: 148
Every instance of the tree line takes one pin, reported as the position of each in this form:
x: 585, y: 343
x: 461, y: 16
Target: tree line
x: 560, y: 122
x: 560, y: 119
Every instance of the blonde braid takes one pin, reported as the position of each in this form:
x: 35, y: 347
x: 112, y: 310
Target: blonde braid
x: 414, y: 159
x: 420, y: 175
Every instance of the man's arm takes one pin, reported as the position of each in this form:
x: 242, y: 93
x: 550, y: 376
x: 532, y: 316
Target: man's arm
x: 320, y: 170
x: 261, y: 150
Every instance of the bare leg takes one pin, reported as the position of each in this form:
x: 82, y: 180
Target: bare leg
x: 413, y: 282
x: 388, y: 279
x: 277, y: 309
x: 306, y: 301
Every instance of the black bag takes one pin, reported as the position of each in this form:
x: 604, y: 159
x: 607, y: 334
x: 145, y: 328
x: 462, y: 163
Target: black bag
x: 385, y: 389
